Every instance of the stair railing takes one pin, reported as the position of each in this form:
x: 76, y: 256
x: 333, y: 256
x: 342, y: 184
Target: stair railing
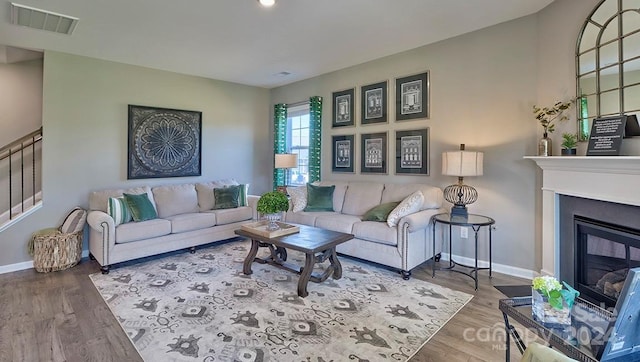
x: 15, y: 152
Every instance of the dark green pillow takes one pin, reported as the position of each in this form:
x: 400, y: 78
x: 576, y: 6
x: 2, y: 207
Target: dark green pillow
x: 140, y: 206
x: 319, y: 198
x: 227, y: 197
x: 380, y: 212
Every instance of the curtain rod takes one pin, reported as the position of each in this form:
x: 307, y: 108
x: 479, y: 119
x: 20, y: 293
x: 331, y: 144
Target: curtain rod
x: 297, y: 103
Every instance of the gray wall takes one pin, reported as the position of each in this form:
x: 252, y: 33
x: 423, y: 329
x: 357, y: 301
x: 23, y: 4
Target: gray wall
x: 483, y: 86
x: 20, y: 99
x: 85, y: 126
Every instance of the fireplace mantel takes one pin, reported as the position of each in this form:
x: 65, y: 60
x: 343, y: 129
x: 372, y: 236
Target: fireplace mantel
x: 605, y: 178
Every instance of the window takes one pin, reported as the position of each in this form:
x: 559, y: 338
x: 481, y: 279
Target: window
x: 298, y: 143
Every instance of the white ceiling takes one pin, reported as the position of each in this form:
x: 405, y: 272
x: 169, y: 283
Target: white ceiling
x: 239, y: 41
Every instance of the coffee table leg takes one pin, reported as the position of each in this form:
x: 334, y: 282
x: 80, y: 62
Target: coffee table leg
x: 246, y: 269
x: 306, y: 274
x: 335, y: 263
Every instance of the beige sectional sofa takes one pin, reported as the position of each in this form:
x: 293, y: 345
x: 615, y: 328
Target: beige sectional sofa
x: 185, y: 219
x: 403, y: 247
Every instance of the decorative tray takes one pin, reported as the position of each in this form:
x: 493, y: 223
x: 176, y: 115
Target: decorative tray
x: 260, y: 228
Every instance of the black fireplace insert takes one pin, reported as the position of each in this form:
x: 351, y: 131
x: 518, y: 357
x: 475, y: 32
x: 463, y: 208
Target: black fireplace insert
x: 604, y: 254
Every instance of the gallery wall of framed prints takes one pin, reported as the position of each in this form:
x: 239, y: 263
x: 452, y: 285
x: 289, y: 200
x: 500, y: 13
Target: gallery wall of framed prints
x: 379, y: 139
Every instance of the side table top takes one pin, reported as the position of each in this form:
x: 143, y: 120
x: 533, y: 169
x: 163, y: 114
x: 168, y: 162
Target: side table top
x: 471, y: 219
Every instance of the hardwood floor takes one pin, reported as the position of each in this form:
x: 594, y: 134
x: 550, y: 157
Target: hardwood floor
x: 60, y: 316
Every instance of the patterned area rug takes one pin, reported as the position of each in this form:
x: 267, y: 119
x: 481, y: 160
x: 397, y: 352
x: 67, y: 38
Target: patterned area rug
x: 201, y: 307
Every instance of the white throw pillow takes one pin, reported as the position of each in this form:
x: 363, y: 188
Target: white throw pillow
x: 411, y: 204
x: 298, y: 197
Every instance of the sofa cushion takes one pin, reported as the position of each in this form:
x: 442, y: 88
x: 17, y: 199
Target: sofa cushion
x: 319, y: 198
x: 337, y: 222
x: 118, y: 210
x: 376, y: 232
x: 206, y: 199
x: 338, y: 193
x: 141, y: 207
x: 142, y: 230
x: 195, y: 221
x: 175, y: 199
x: 98, y: 199
x: 362, y: 196
x: 305, y: 218
x: 397, y: 192
x: 226, y: 197
x: 380, y: 212
x: 228, y: 216
x: 411, y: 204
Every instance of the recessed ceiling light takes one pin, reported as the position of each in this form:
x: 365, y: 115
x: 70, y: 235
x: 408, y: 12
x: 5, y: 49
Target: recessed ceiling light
x: 267, y: 3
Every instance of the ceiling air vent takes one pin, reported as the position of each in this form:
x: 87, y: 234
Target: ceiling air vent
x: 42, y: 19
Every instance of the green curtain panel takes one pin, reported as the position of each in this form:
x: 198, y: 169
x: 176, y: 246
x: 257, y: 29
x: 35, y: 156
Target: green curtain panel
x: 279, y: 140
x: 315, y: 137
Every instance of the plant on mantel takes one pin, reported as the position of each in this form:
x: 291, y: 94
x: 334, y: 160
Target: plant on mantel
x: 569, y: 141
x: 547, y: 116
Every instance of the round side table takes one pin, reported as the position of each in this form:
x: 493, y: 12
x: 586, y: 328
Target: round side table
x: 475, y: 222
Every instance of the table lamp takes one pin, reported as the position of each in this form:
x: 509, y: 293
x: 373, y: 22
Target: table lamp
x: 461, y: 163
x: 285, y: 161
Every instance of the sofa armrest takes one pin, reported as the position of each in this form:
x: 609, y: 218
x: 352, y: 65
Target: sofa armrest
x: 419, y: 220
x: 101, y: 222
x: 102, y: 235
x: 252, y: 200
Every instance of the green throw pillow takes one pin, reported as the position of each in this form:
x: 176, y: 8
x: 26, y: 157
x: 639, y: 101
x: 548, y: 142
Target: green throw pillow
x: 319, y: 198
x: 227, y: 197
x: 380, y: 212
x: 141, y: 207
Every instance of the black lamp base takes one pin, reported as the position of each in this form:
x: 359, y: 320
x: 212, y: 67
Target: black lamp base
x: 459, y: 210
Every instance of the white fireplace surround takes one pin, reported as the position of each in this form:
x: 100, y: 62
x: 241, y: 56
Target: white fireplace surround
x: 605, y: 178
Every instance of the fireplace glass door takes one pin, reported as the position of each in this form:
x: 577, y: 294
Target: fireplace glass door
x: 604, y: 254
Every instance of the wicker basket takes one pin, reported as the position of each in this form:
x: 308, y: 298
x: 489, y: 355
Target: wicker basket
x: 53, y: 250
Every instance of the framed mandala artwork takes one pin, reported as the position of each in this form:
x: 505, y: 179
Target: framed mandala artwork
x: 163, y: 142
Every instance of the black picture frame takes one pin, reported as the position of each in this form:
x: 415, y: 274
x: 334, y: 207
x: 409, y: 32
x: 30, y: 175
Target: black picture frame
x: 373, y: 157
x: 343, y: 108
x: 412, y: 152
x: 163, y: 142
x: 343, y: 153
x: 412, y: 97
x: 374, y: 103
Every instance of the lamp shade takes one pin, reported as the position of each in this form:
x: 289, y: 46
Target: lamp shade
x: 286, y: 160
x: 462, y: 163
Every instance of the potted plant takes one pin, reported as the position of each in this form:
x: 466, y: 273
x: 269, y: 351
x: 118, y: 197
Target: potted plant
x: 551, y: 303
x: 569, y: 143
x: 547, y: 116
x: 270, y: 205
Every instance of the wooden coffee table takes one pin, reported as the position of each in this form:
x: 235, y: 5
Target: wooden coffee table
x: 318, y: 245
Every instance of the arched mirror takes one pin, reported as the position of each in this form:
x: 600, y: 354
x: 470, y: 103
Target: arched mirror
x: 608, y: 63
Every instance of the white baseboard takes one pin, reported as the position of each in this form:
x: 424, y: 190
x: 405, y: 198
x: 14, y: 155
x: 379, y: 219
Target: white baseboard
x: 500, y: 268
x: 26, y: 265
